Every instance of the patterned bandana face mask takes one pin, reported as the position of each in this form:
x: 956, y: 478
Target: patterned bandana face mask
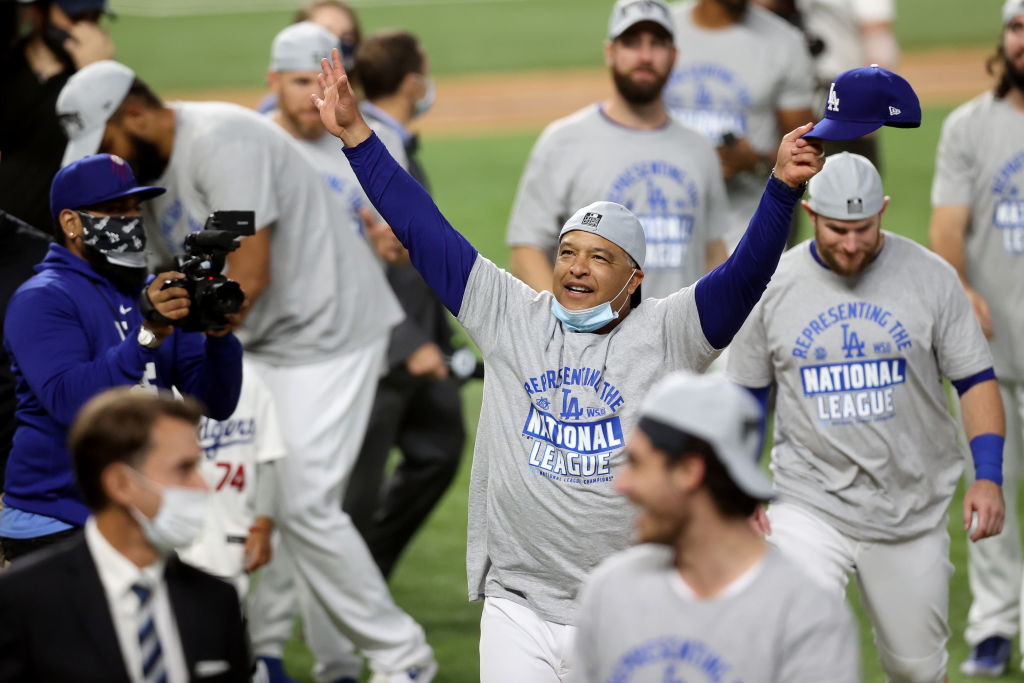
x: 121, y: 239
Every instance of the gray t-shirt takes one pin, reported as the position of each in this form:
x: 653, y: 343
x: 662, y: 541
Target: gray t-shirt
x: 669, y: 177
x: 735, y: 80
x: 863, y: 435
x: 321, y: 271
x: 980, y: 164
x: 640, y: 623
x: 557, y: 408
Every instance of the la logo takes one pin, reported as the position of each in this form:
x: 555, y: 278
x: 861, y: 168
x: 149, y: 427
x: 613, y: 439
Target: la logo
x: 833, y: 99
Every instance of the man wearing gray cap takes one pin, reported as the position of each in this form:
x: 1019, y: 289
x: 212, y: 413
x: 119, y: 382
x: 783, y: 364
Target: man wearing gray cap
x: 978, y: 226
x: 565, y: 373
x: 317, y: 328
x: 704, y: 597
x: 857, y: 329
x: 626, y: 149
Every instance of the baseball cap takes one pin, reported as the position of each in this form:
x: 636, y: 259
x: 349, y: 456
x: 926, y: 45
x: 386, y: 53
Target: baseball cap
x: 88, y: 100
x: 627, y: 13
x: 95, y: 179
x: 864, y: 99
x: 847, y: 188
x: 1012, y: 8
x: 300, y: 47
x: 615, y: 223
x: 712, y: 408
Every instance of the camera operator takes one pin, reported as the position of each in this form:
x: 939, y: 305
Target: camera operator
x: 75, y: 329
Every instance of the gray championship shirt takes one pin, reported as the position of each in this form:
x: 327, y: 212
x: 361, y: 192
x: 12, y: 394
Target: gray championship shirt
x: 863, y: 436
x: 669, y: 177
x: 980, y: 164
x: 641, y: 623
x: 734, y: 80
x: 557, y: 408
x: 327, y: 294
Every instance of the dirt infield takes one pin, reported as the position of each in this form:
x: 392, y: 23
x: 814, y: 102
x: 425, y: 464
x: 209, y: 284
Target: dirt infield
x: 485, y: 104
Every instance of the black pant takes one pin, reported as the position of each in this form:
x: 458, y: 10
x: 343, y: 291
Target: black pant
x: 17, y: 548
x: 423, y: 418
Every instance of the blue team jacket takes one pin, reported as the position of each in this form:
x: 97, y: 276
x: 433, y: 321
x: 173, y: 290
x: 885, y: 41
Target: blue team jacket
x: 70, y: 335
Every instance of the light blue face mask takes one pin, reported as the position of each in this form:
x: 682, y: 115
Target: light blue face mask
x: 589, y: 319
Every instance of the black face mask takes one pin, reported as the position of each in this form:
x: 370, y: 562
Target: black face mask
x: 126, y: 280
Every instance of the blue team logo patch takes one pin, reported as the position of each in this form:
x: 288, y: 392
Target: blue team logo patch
x: 1008, y: 214
x: 664, y: 198
x: 673, y: 660
x: 710, y: 98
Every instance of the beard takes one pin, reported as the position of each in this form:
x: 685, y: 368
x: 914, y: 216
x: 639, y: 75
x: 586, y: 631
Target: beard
x: 145, y: 159
x: 1014, y: 75
x: 639, y: 93
x: 126, y: 280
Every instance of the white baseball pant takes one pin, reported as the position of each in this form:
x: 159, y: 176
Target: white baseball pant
x: 323, y: 409
x: 904, y: 586
x: 517, y: 645
x: 994, y: 569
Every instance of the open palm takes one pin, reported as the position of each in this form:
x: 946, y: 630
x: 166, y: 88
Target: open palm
x: 339, y: 110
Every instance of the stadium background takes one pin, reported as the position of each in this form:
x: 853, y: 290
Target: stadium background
x: 504, y: 68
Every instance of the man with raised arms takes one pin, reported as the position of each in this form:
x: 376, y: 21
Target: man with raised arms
x: 566, y: 372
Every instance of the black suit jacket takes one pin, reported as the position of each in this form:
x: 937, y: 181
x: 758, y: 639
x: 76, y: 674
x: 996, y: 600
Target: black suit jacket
x: 56, y: 626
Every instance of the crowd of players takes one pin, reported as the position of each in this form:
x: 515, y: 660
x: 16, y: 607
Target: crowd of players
x: 676, y: 186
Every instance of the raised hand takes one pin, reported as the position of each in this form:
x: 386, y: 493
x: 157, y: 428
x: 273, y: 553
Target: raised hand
x: 799, y: 159
x: 339, y: 110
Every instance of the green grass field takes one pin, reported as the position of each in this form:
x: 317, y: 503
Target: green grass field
x: 233, y: 50
x: 475, y: 179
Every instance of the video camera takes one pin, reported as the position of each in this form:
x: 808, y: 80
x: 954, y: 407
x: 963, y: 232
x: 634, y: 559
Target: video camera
x: 213, y: 296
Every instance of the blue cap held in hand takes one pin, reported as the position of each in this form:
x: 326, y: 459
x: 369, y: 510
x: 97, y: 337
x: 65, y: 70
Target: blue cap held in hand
x: 93, y: 180
x: 865, y: 99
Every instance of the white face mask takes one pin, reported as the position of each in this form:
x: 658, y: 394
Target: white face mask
x: 423, y: 104
x: 590, y: 319
x: 178, y: 521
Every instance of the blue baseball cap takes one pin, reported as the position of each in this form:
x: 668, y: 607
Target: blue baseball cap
x: 75, y: 7
x: 93, y: 180
x: 865, y: 99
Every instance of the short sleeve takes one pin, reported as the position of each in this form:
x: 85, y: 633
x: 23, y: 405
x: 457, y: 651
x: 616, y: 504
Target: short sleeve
x: 750, y: 362
x: 495, y: 308
x: 819, y: 642
x: 954, y: 163
x: 239, y: 176
x: 960, y: 345
x: 873, y: 11
x: 796, y: 90
x: 717, y: 204
x: 269, y: 442
x: 538, y: 210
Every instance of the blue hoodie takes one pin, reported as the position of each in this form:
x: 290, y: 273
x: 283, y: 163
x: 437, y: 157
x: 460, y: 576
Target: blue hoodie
x: 71, y: 334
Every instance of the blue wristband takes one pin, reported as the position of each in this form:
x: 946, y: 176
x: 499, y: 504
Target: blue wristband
x: 987, y: 452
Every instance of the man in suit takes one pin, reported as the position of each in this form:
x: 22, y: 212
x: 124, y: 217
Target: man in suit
x: 115, y: 603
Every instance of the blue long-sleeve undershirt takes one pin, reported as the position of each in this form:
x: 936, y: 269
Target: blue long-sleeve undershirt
x: 724, y: 297
x: 442, y: 256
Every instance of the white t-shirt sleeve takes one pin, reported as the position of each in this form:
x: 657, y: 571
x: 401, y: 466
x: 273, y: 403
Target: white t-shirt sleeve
x: 750, y: 362
x: 873, y: 11
x: 955, y: 166
x: 796, y: 91
x: 238, y: 175
x: 538, y: 209
x: 960, y: 345
x: 269, y: 442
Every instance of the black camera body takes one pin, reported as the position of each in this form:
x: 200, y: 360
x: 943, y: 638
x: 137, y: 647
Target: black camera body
x: 212, y: 295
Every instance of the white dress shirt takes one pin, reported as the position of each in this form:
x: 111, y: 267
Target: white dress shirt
x: 118, y: 574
